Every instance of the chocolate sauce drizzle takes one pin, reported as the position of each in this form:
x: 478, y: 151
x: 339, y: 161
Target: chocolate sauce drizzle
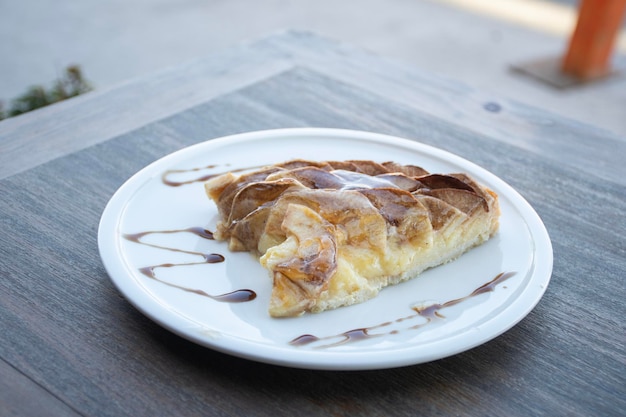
x: 165, y: 177
x: 431, y: 313
x: 198, y: 231
x: 236, y: 296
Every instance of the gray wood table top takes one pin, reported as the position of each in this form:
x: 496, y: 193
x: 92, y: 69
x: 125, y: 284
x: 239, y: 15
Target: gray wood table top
x: 72, y: 345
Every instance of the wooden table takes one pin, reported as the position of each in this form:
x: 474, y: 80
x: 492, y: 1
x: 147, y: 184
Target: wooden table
x: 72, y: 345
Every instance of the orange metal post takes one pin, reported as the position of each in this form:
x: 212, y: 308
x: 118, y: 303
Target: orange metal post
x: 589, y: 52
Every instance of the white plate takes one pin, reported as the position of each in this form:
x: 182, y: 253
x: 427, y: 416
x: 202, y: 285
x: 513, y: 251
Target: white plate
x: 146, y: 203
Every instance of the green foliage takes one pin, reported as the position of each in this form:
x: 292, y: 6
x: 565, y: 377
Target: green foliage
x: 70, y: 85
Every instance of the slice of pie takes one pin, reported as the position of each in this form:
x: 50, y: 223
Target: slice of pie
x: 335, y: 233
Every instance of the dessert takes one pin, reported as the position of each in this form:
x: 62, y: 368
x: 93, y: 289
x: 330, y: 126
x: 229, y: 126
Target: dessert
x: 335, y: 233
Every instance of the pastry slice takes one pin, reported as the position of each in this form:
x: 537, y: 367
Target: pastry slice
x: 335, y: 233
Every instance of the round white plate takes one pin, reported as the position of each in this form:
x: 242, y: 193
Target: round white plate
x: 395, y: 335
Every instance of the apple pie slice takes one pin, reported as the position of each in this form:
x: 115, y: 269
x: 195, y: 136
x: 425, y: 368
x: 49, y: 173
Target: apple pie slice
x: 335, y: 233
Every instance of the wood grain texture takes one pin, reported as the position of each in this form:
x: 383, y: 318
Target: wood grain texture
x: 45, y: 134
x: 88, y: 348
x: 20, y: 396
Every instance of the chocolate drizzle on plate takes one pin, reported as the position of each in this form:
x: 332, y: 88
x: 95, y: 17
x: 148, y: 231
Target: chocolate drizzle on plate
x: 429, y: 312
x: 236, y: 296
x: 198, y: 231
x: 165, y: 177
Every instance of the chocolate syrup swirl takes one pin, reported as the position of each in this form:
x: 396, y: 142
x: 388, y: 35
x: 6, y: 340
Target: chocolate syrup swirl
x: 198, y: 231
x: 431, y: 313
x: 236, y: 296
x: 165, y: 177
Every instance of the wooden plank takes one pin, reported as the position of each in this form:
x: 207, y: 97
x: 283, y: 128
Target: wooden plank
x: 592, y: 44
x: 72, y: 331
x: 53, y: 131
x: 41, y: 136
x: 21, y: 397
x: 514, y: 123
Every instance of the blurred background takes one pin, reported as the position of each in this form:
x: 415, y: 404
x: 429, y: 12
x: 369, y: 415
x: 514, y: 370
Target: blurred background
x: 472, y: 41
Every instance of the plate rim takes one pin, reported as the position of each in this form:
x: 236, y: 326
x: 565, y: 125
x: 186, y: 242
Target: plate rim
x: 109, y: 247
